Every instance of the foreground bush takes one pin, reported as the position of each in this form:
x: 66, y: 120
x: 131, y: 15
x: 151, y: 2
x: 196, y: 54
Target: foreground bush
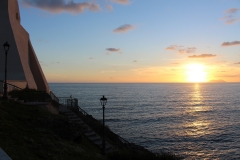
x: 30, y: 95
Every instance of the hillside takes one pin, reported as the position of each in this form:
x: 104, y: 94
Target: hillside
x: 30, y: 132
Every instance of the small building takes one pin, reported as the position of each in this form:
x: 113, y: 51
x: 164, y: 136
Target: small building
x: 23, y: 68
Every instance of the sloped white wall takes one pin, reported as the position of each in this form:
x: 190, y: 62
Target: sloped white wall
x: 23, y: 64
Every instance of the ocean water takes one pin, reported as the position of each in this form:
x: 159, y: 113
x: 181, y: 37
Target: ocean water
x: 197, y: 121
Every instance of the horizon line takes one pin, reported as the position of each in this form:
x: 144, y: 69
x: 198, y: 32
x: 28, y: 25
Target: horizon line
x: 140, y: 82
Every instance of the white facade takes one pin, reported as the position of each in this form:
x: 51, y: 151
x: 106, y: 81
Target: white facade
x: 23, y: 66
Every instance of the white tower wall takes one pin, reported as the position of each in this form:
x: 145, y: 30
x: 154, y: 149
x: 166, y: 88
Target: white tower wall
x: 23, y: 65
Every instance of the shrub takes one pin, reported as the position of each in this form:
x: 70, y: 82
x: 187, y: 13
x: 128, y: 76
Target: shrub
x: 30, y: 95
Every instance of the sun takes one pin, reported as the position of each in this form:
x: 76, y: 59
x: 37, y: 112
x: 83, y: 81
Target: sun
x: 196, y: 73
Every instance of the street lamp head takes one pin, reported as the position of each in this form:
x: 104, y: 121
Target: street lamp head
x: 6, y: 46
x: 103, y: 101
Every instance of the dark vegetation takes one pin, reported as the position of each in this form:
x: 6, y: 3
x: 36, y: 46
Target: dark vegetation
x: 29, y: 132
x: 30, y: 95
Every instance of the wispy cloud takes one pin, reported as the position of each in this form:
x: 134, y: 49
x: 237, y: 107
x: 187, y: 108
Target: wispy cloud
x: 202, y: 56
x: 91, y: 58
x: 48, y: 63
x: 181, y: 49
x: 43, y: 63
x: 232, y: 10
x: 42, y: 41
x: 227, y: 44
x: 72, y: 6
x: 230, y: 16
x: 124, y: 28
x: 109, y: 7
x: 221, y: 62
x: 217, y: 81
x: 113, y: 49
x: 135, y: 61
x: 58, y: 6
x: 125, y: 2
x: 237, y: 63
x: 53, y: 63
x: 236, y: 75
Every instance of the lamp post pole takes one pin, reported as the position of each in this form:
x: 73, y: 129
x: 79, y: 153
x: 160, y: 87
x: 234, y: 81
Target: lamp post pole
x: 5, y: 93
x: 103, y: 101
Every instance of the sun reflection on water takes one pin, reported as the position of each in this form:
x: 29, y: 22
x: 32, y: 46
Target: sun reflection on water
x: 197, y: 124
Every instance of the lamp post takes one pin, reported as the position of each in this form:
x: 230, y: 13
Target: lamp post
x: 6, y: 48
x: 103, y: 101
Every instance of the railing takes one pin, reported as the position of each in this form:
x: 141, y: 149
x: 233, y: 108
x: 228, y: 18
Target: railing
x: 63, y: 100
x: 83, y: 112
x: 72, y: 103
x: 54, y: 97
x: 11, y: 87
x: 69, y: 102
x: 121, y: 139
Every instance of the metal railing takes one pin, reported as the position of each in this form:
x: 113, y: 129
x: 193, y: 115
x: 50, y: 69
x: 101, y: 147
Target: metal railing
x: 11, y: 87
x: 54, y: 97
x: 83, y: 112
x: 69, y: 102
x: 121, y: 139
x: 72, y: 103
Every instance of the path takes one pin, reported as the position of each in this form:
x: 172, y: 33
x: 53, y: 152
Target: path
x: 89, y: 133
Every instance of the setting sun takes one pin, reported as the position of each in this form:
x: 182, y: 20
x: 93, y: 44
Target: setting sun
x: 196, y: 73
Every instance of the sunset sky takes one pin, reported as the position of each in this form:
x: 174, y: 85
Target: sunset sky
x: 135, y: 40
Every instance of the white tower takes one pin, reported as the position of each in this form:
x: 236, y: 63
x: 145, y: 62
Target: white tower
x: 23, y: 66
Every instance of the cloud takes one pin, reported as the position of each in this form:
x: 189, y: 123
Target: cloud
x: 43, y: 63
x: 42, y: 41
x: 181, y: 49
x: 135, y: 61
x: 202, y: 56
x: 230, y: 16
x: 91, y: 58
x: 172, y: 47
x: 227, y: 44
x: 124, y: 28
x: 236, y: 75
x: 124, y: 2
x: 221, y: 62
x: 58, y: 6
x: 109, y: 7
x: 113, y: 49
x: 232, y: 10
x: 55, y: 63
x: 233, y: 20
x: 217, y: 81
x: 237, y: 63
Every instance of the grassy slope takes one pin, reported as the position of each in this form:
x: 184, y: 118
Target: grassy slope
x: 28, y: 132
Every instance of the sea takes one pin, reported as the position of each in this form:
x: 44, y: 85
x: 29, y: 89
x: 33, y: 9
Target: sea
x: 193, y: 120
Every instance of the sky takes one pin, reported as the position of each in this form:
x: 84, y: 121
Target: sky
x: 143, y: 41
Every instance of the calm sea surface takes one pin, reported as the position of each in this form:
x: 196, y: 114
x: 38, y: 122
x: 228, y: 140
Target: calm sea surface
x: 196, y: 121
